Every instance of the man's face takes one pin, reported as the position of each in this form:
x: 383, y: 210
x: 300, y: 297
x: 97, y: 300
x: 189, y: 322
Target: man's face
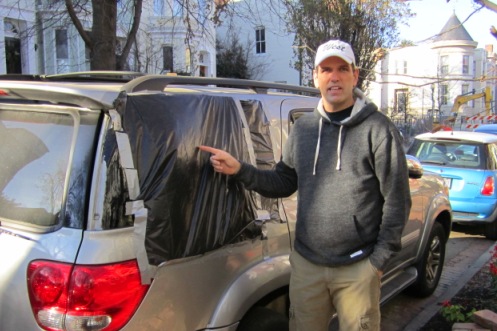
x: 336, y: 80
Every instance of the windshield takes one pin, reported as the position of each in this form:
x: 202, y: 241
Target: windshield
x: 36, y: 152
x: 450, y: 153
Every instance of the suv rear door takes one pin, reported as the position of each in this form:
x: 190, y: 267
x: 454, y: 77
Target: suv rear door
x: 47, y: 153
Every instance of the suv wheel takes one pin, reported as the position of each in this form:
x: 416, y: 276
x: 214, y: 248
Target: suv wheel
x: 430, y: 266
x: 263, y: 319
x: 491, y: 230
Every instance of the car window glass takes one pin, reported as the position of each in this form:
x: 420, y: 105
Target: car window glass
x: 295, y: 114
x: 35, y: 151
x: 449, y: 153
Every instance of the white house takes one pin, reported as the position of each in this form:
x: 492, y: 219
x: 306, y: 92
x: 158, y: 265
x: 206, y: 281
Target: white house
x: 18, y: 48
x: 426, y: 79
x: 38, y: 40
x: 260, y: 27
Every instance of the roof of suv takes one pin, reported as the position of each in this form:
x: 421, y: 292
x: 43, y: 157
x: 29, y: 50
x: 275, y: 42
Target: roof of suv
x: 477, y: 137
x: 99, y: 89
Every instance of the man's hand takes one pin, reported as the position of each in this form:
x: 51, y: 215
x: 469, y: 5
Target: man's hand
x: 222, y: 161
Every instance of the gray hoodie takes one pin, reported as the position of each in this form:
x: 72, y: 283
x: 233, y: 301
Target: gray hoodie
x: 353, y: 186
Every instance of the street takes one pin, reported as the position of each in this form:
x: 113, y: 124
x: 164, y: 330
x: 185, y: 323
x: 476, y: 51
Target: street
x: 461, y: 262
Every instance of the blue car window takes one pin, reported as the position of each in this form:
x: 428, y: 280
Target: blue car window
x: 451, y: 154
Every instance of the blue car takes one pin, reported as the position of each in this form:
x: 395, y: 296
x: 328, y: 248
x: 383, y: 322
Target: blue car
x: 468, y: 163
x: 487, y: 128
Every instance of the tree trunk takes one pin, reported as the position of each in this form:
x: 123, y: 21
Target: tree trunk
x: 103, y: 55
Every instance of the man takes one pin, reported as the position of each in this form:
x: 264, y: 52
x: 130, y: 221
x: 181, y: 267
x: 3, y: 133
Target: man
x: 347, y: 161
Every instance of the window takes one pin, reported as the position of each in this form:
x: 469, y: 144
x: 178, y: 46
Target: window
x: 158, y: 5
x: 13, y: 57
x: 465, y: 64
x: 444, y: 65
x: 167, y: 57
x: 177, y: 9
x: 444, y: 94
x: 400, y: 100
x: 260, y: 40
x: 61, y: 46
x: 42, y: 146
x: 454, y: 154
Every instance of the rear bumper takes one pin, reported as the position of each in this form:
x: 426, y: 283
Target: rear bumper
x: 478, y: 211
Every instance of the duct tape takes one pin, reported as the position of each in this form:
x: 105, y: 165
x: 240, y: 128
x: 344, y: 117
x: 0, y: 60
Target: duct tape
x: 116, y: 120
x: 124, y: 150
x: 137, y: 208
x: 133, y: 183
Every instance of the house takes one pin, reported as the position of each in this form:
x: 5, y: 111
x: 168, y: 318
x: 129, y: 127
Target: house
x: 41, y: 39
x: 424, y: 80
x: 261, y: 29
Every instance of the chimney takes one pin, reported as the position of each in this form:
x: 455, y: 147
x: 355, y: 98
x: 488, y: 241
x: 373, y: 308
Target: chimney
x: 489, y: 48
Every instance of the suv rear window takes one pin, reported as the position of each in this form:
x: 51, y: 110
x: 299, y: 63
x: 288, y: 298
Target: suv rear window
x: 36, y: 152
x: 450, y: 153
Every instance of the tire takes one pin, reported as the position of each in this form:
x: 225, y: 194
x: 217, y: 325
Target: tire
x: 263, y: 319
x: 491, y: 230
x: 431, y: 265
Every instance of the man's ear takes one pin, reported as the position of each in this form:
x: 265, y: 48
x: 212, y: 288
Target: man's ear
x: 315, y: 77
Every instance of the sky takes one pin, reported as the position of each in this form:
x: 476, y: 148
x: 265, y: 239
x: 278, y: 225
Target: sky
x: 431, y: 16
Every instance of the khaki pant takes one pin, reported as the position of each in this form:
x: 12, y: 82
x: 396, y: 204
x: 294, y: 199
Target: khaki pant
x: 318, y: 292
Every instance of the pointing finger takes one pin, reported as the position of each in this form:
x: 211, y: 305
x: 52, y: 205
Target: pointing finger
x: 209, y: 149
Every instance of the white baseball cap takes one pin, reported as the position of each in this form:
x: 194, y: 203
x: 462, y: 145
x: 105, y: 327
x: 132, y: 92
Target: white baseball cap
x: 334, y: 48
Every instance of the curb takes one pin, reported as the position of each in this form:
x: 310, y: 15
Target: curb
x: 430, y: 310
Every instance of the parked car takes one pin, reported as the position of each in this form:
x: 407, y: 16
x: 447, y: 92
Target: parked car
x: 468, y: 163
x: 487, y: 128
x: 112, y: 219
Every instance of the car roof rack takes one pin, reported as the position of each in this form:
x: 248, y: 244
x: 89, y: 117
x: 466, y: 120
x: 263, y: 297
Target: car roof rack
x: 118, y: 76
x: 80, y: 76
x: 160, y: 82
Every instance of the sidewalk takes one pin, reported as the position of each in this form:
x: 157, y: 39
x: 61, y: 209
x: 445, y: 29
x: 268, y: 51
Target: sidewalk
x: 452, y: 281
x: 405, y: 313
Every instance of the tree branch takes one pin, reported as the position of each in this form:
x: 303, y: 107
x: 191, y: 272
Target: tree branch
x: 77, y: 24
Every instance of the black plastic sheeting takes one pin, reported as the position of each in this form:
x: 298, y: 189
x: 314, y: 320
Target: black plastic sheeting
x: 263, y: 147
x: 191, y: 209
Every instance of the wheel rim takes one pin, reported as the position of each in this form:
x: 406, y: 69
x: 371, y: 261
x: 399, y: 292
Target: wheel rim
x: 433, y: 261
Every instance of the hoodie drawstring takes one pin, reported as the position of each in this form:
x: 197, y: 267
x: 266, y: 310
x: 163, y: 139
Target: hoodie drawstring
x: 318, y: 145
x: 339, y: 148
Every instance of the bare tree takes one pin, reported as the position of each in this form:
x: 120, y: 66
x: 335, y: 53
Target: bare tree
x: 102, y: 39
x: 369, y: 26
x: 490, y: 5
x: 109, y: 29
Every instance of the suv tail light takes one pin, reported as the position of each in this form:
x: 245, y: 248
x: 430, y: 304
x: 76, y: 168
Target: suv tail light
x: 488, y: 186
x: 84, y: 297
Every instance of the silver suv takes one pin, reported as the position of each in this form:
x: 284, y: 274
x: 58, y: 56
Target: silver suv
x: 111, y: 218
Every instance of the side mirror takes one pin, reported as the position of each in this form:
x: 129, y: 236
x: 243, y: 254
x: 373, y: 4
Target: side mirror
x: 414, y: 166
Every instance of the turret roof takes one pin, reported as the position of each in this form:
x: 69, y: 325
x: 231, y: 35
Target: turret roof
x: 453, y: 30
